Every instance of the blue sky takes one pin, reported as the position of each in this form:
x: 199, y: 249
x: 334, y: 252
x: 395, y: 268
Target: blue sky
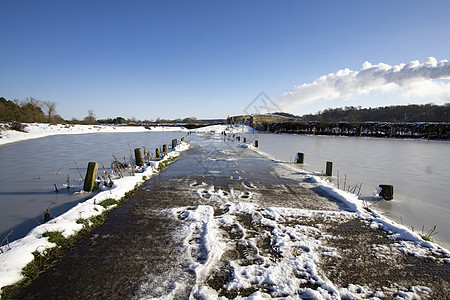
x: 208, y: 59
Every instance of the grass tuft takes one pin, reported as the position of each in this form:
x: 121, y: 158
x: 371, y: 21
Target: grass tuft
x: 164, y: 164
x: 56, y: 237
x: 108, y: 202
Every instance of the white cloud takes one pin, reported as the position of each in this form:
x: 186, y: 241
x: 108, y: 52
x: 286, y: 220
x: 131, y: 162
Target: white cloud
x: 412, y: 80
x: 428, y: 89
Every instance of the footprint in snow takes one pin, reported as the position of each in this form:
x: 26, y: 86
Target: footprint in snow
x: 249, y: 185
x: 245, y: 195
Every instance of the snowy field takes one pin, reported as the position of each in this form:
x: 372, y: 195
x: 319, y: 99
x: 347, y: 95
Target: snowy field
x: 236, y: 229
x: 38, y: 130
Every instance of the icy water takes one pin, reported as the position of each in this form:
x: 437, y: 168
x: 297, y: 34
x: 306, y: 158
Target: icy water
x: 29, y: 170
x: 418, y: 169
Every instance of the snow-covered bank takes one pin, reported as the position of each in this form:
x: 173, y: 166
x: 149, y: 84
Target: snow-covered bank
x: 17, y: 254
x: 38, y: 130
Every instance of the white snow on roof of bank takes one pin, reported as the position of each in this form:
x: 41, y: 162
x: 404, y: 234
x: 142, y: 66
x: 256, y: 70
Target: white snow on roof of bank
x: 17, y: 254
x: 39, y: 130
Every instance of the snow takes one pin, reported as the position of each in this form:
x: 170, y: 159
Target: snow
x: 225, y: 128
x: 209, y: 237
x: 17, y: 254
x: 38, y: 130
x: 298, y: 247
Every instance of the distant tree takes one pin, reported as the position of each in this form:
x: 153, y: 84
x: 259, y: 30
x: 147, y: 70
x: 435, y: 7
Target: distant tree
x: 190, y: 120
x: 30, y: 101
x: 58, y: 119
x: 31, y: 111
x: 9, y: 110
x: 132, y: 120
x: 119, y: 120
x: 90, y: 119
x: 50, y: 109
x: 26, y: 111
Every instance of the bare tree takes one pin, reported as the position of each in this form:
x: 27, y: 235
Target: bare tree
x: 33, y: 101
x: 90, y: 119
x: 50, y: 109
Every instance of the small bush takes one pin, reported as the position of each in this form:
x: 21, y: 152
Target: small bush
x: 17, y: 126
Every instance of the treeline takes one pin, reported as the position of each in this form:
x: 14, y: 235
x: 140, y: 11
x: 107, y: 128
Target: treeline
x: 32, y: 110
x: 28, y: 111
x: 158, y: 121
x: 396, y: 114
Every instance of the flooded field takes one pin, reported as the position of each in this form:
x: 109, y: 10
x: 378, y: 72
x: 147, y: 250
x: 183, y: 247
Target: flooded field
x: 30, y: 169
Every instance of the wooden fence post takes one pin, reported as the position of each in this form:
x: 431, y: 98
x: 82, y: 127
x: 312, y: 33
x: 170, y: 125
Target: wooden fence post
x: 256, y: 144
x: 300, y: 158
x: 89, y: 180
x: 387, y: 191
x: 138, y: 155
x: 157, y: 153
x: 174, y: 143
x: 329, y: 170
x: 164, y: 149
